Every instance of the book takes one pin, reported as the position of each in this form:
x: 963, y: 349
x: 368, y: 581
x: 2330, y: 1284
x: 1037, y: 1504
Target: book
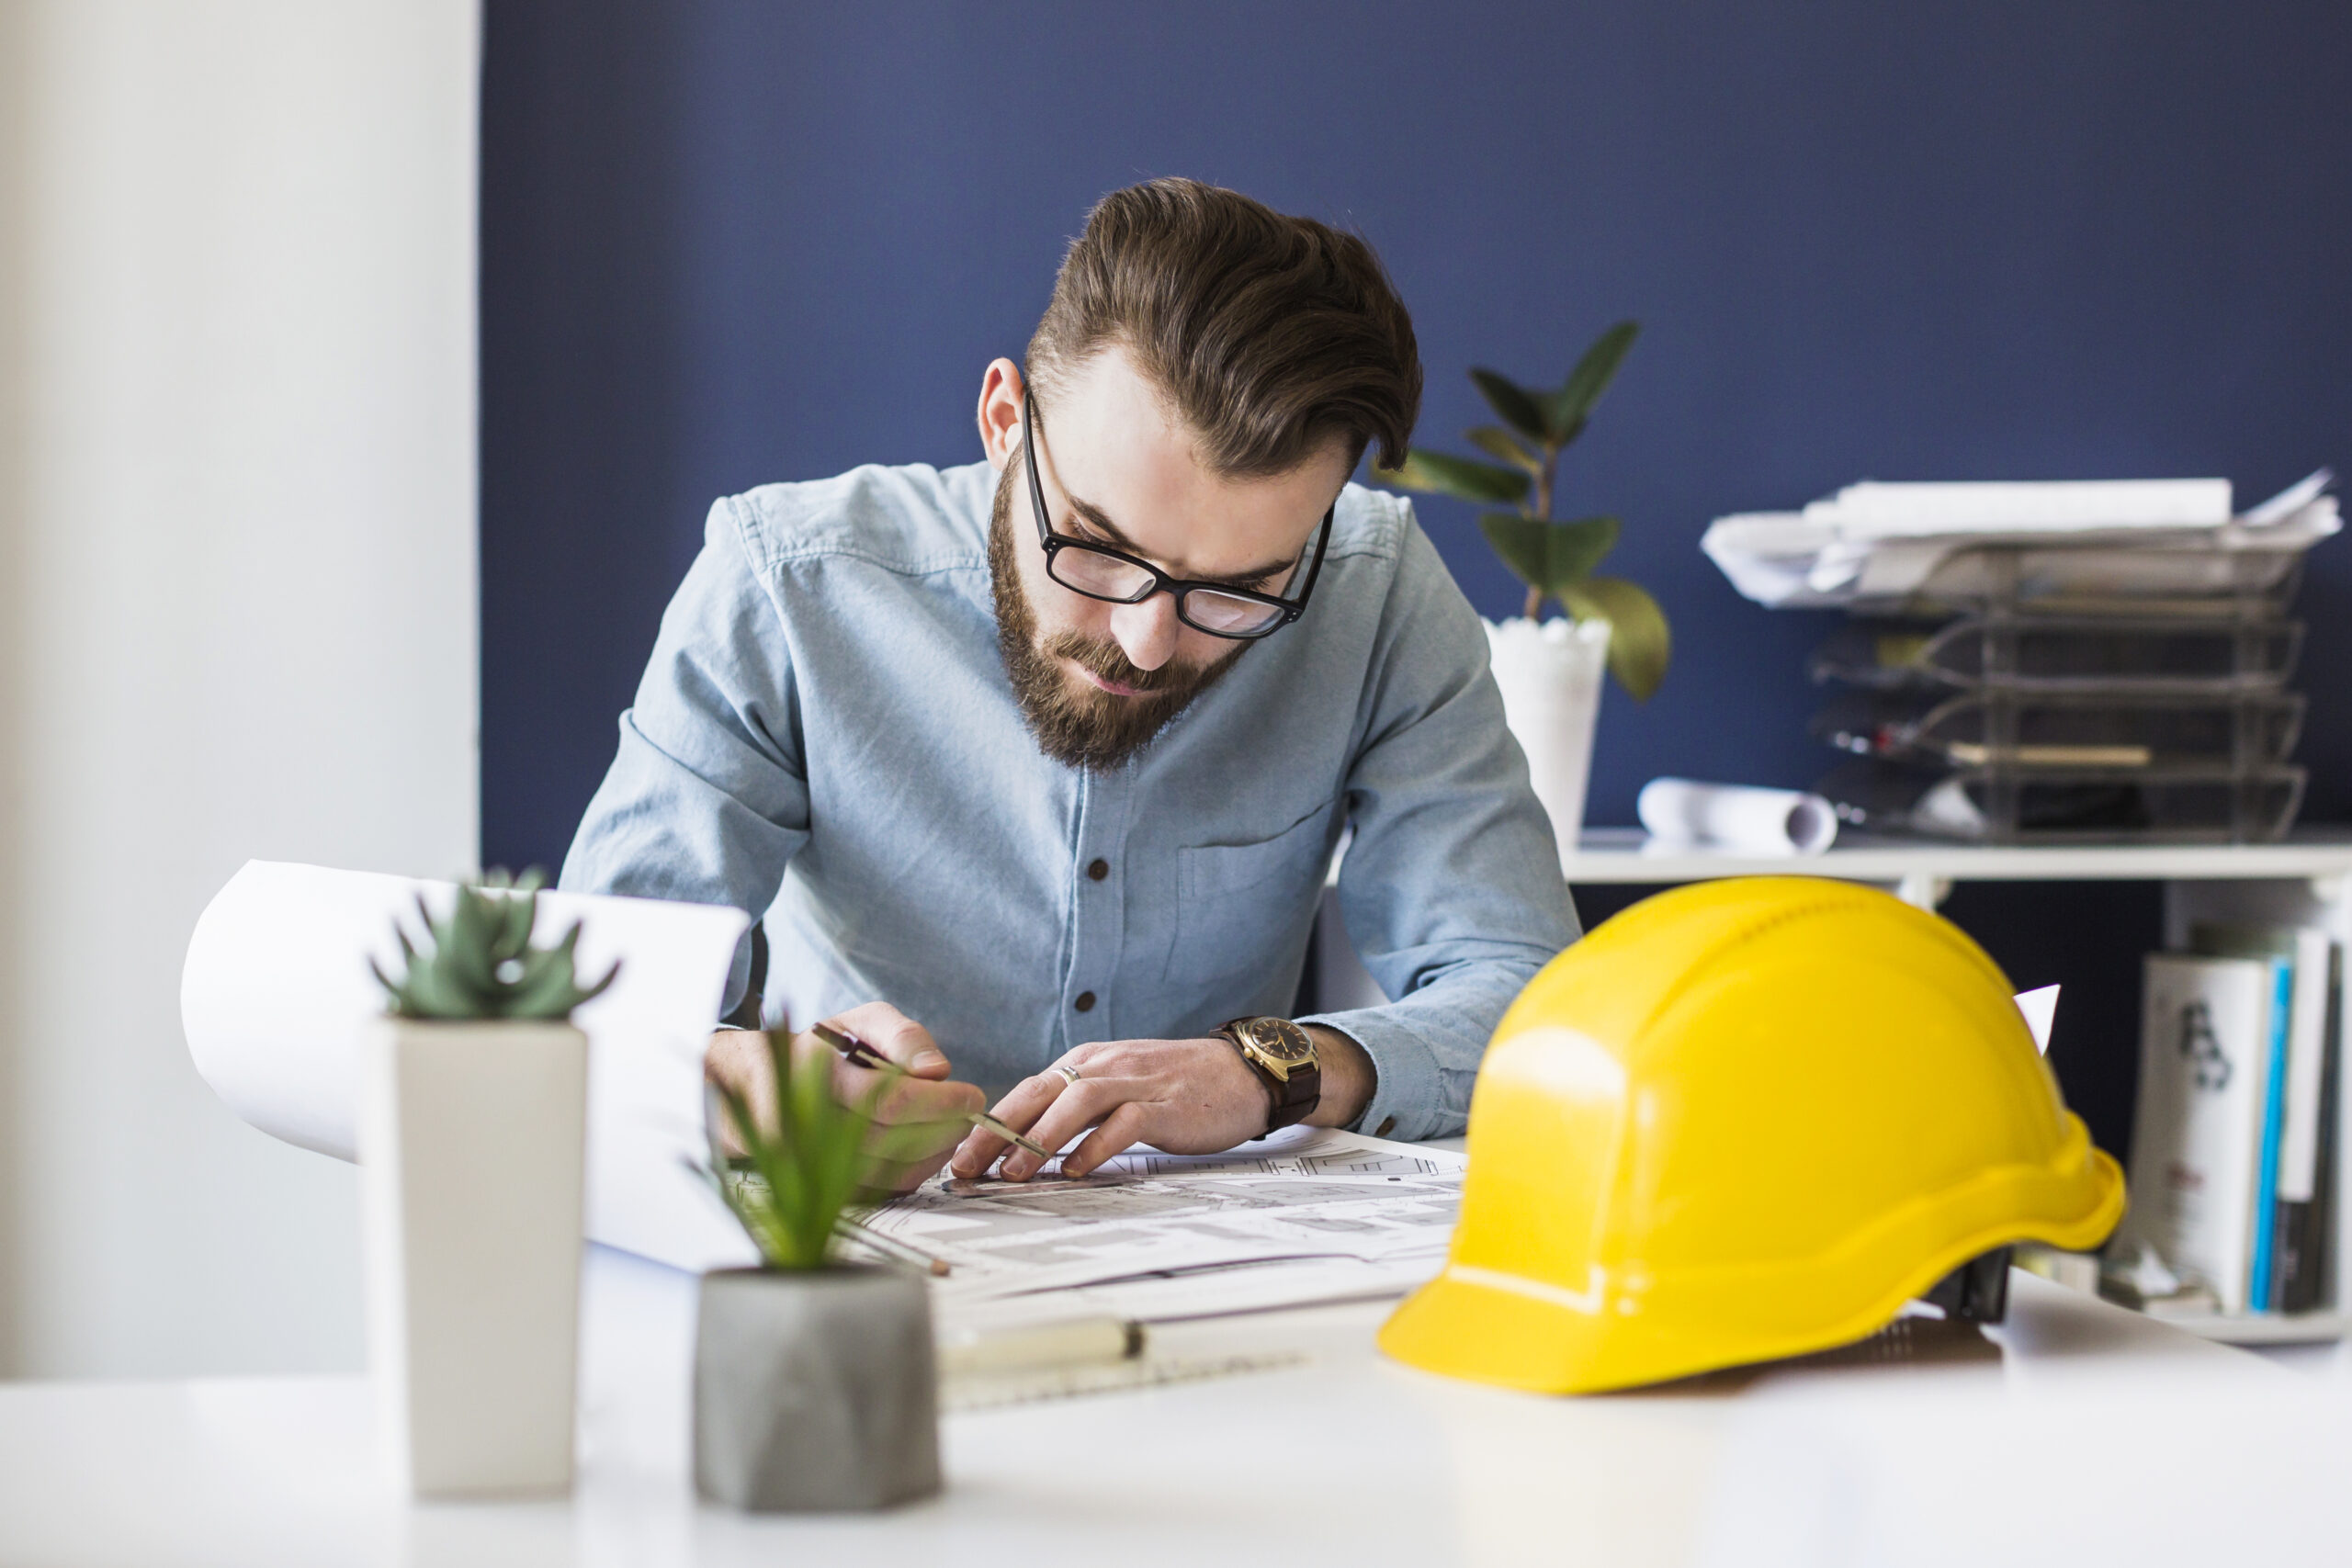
x: 2299, y: 1078
x: 2305, y: 1224
x: 2207, y: 1028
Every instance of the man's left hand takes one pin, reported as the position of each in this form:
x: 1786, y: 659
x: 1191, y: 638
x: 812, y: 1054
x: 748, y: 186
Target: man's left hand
x: 1184, y: 1096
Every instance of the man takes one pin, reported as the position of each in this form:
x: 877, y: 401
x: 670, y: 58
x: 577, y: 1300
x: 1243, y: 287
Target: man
x: 1037, y: 766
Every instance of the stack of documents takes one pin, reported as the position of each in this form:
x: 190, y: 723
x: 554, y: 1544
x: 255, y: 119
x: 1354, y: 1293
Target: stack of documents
x: 1308, y: 1217
x: 1897, y: 547
x: 2063, y: 662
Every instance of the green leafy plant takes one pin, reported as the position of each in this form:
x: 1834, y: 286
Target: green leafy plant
x: 800, y: 1167
x: 1555, y: 559
x: 482, y: 964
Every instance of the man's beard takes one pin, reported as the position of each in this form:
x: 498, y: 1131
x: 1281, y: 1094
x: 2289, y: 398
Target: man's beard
x: 1084, y: 727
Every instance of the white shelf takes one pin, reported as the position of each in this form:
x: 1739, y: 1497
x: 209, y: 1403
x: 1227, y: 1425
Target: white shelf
x: 2264, y: 1329
x: 1628, y: 854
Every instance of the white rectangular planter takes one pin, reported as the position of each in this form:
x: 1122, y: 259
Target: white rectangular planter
x: 471, y: 1145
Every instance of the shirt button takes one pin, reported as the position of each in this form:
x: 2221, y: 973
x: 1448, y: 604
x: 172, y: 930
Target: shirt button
x: 1085, y: 1002
x: 1098, y: 870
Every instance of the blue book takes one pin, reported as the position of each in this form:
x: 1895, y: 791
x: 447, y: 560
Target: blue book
x: 2261, y: 1288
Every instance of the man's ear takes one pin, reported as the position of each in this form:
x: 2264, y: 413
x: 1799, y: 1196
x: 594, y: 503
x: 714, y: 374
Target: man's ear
x: 1000, y: 414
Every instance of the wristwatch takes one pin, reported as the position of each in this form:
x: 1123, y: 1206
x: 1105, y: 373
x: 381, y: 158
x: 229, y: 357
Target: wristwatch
x: 1283, y: 1055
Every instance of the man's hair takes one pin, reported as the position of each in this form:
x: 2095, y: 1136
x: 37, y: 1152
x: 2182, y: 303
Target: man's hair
x: 1270, y: 335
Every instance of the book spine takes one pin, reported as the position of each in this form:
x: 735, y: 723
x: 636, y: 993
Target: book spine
x: 2266, y: 1195
x: 2303, y: 1276
x: 2292, y: 1254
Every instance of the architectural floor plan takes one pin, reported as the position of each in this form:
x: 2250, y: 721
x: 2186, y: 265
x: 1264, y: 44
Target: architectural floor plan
x: 1337, y: 1209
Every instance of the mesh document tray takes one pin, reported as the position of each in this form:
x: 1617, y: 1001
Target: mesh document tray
x: 2044, y: 731
x: 2088, y: 654
x: 2191, y: 578
x: 2067, y: 806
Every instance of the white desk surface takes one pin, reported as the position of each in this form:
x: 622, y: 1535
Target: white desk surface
x: 2093, y: 1435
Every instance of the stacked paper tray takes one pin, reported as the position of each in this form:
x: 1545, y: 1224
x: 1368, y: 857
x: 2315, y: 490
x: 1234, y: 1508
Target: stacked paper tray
x: 2162, y: 731
x: 2067, y: 804
x: 2012, y: 725
x: 2193, y: 656
x: 2069, y: 662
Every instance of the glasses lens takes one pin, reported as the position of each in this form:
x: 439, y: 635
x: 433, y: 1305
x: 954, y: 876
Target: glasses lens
x: 1227, y: 615
x: 1075, y: 566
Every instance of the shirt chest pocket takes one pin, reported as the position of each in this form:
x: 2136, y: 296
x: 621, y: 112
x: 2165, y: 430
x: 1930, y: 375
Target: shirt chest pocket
x: 1241, y: 908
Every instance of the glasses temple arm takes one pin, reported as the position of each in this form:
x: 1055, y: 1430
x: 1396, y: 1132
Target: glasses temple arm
x: 1314, y: 567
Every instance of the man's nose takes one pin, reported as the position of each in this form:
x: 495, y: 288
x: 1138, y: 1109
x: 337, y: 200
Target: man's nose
x: 1147, y: 632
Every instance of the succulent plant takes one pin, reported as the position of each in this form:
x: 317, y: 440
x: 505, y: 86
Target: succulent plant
x: 1554, y: 560
x: 802, y: 1163
x: 481, y: 964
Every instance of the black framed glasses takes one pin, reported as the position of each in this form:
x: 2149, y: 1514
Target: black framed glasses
x: 1114, y: 576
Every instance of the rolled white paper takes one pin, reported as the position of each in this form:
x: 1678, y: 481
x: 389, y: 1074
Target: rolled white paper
x: 1739, y: 816
x: 276, y: 987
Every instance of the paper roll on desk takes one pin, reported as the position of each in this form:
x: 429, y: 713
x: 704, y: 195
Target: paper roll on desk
x: 1737, y: 816
x: 276, y: 986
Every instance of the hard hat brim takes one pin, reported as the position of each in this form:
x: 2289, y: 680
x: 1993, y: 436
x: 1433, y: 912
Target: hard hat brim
x: 1491, y: 1326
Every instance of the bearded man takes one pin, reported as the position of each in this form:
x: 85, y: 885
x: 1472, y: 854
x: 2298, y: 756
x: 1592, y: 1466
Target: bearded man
x: 1035, y: 768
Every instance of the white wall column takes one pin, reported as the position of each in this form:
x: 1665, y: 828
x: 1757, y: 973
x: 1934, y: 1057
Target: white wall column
x: 237, y: 612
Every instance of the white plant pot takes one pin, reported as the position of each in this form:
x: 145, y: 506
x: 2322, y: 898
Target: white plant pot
x: 1550, y: 672
x: 471, y: 1141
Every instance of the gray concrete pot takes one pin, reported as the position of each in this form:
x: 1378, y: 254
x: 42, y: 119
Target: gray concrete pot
x: 815, y: 1390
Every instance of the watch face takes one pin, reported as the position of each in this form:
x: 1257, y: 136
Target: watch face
x: 1280, y: 1040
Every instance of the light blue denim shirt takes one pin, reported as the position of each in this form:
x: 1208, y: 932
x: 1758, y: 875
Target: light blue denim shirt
x: 826, y: 733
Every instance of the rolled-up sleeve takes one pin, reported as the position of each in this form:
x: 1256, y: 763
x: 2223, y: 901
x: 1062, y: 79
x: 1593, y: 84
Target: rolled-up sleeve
x: 1450, y: 887
x: 706, y: 800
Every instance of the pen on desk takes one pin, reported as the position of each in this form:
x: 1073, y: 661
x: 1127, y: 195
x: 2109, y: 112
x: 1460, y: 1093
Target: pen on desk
x: 1073, y: 1342
x: 879, y: 1242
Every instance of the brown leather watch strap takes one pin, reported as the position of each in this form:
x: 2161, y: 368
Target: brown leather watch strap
x: 1294, y: 1096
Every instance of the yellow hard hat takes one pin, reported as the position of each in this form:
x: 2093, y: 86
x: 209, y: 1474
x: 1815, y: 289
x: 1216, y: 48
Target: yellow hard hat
x: 1744, y: 1120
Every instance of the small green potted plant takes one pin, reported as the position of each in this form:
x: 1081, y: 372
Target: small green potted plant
x: 1550, y: 672
x: 472, y: 1117
x: 815, y: 1387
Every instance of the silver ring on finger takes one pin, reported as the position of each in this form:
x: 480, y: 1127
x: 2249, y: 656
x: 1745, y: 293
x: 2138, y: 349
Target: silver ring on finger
x: 1069, y: 1073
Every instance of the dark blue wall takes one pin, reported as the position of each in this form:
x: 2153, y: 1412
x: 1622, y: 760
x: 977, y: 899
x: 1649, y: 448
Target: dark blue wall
x: 727, y: 243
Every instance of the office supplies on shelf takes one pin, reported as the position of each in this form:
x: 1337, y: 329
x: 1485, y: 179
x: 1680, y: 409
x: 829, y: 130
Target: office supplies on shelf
x: 2098, y: 655
x: 2161, y: 732
x: 2059, y: 664
x: 2063, y: 805
x: 1737, y: 816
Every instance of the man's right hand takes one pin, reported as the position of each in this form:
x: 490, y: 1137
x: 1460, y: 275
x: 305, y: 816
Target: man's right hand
x: 919, y: 1119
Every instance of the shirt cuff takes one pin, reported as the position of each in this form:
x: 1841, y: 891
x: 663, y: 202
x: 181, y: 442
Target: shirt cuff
x: 1406, y: 1101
